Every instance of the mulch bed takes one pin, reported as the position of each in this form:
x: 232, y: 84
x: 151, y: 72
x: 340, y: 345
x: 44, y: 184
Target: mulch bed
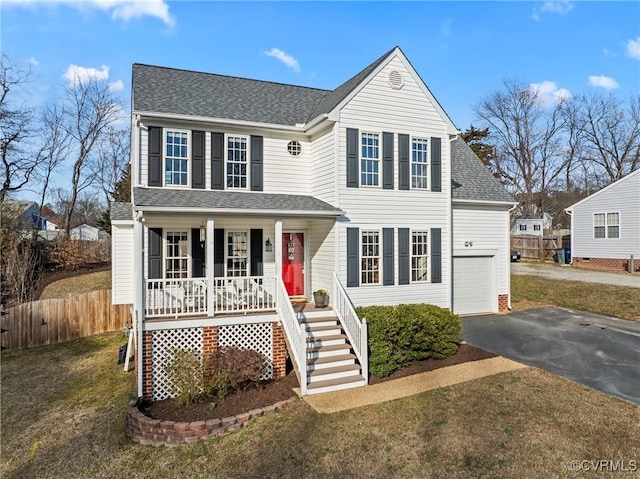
x: 281, y: 389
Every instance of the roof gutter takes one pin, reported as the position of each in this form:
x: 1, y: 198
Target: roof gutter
x: 241, y: 211
x: 485, y: 202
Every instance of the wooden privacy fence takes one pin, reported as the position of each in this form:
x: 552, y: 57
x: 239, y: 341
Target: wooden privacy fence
x: 540, y: 247
x: 51, y: 321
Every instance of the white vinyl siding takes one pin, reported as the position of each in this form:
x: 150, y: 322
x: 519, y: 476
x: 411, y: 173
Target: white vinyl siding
x: 323, y: 166
x: 122, y: 241
x: 621, y: 198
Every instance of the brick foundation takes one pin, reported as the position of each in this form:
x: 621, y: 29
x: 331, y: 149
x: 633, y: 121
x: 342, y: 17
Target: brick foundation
x: 503, y: 303
x: 279, y: 352
x: 612, y: 264
x: 209, y: 340
x: 147, y: 382
x: 154, y: 432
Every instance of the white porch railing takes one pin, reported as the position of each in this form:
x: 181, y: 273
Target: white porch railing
x: 355, y: 328
x: 294, y: 332
x: 188, y: 296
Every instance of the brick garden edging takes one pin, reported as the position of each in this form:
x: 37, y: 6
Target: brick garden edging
x: 154, y: 432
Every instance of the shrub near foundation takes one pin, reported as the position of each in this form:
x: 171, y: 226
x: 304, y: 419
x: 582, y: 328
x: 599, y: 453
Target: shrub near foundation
x: 403, y: 334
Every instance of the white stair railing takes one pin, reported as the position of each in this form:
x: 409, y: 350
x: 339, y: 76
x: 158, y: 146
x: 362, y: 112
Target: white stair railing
x: 295, y: 333
x: 354, y: 327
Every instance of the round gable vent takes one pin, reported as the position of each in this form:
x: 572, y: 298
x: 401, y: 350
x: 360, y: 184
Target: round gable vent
x: 396, y: 80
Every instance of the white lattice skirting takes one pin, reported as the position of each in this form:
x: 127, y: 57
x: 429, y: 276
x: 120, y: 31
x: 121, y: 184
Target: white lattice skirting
x: 258, y: 336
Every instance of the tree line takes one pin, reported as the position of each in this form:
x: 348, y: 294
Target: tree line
x: 551, y: 155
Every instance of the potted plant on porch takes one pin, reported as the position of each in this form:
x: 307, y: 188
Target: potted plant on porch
x: 321, y: 298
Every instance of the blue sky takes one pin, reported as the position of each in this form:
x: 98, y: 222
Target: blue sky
x: 462, y: 50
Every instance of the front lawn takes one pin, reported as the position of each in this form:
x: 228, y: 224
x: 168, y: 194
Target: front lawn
x: 617, y: 301
x: 62, y: 414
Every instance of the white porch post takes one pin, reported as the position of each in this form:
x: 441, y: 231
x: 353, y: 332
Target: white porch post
x: 139, y: 300
x: 211, y: 294
x: 278, y: 248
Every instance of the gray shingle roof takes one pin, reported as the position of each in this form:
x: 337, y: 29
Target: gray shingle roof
x: 234, y: 201
x: 121, y: 211
x: 168, y: 90
x: 470, y: 179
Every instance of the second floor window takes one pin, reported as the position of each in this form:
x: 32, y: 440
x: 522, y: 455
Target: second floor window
x: 236, y: 162
x: 370, y: 159
x: 176, y: 158
x: 419, y: 163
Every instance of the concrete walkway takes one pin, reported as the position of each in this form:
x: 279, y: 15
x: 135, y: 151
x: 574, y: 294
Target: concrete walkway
x: 410, y: 385
x: 569, y: 273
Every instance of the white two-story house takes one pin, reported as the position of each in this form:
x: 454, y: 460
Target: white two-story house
x: 248, y: 196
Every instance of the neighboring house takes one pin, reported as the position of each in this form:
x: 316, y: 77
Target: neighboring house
x: 246, y: 194
x: 29, y: 213
x: 605, y: 227
x: 532, y: 225
x: 84, y: 232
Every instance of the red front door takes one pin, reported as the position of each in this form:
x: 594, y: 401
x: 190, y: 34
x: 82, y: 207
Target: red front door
x: 293, y: 263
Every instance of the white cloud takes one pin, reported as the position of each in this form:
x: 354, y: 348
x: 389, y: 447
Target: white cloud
x: 633, y: 48
x: 33, y: 62
x: 602, y: 81
x: 284, y: 58
x: 560, y: 7
x: 116, y: 85
x: 120, y: 9
x: 608, y: 53
x: 549, y: 93
x: 445, y: 28
x: 76, y: 73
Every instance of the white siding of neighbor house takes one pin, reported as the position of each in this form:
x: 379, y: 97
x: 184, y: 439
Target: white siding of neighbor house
x: 621, y: 197
x: 485, y: 231
x: 122, y: 279
x: 529, y: 222
x: 378, y: 108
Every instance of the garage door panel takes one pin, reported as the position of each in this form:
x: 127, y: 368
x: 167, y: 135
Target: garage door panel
x: 473, y: 284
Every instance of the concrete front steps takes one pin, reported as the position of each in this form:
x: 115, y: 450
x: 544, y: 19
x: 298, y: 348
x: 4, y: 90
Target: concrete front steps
x: 331, y: 364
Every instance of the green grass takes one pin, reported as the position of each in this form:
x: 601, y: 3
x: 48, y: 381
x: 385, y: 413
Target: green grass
x: 62, y: 413
x: 617, y: 301
x: 83, y: 283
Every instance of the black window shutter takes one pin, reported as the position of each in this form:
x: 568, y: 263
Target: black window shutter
x: 155, y: 253
x: 404, y: 173
x: 217, y: 161
x: 197, y: 159
x: 256, y: 163
x: 436, y: 164
x: 255, y: 239
x: 353, y: 257
x: 387, y: 161
x: 436, y: 255
x: 155, y: 156
x: 404, y: 257
x: 388, y: 269
x: 197, y: 254
x: 352, y: 158
x: 218, y: 252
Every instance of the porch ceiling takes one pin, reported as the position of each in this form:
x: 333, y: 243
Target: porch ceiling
x: 230, y: 202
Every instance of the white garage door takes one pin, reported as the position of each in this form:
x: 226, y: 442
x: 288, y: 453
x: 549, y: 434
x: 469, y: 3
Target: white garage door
x: 472, y: 284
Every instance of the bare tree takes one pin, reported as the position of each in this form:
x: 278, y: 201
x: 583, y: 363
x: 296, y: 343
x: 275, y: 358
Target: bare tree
x: 89, y: 109
x: 112, y: 160
x: 15, y: 128
x: 610, y: 134
x: 526, y: 139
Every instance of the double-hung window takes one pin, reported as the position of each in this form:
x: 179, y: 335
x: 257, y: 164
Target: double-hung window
x: 419, y: 256
x: 370, y: 159
x: 176, y: 161
x: 237, y: 256
x: 237, y: 162
x: 419, y: 163
x: 606, y: 225
x: 370, y: 259
x: 177, y: 255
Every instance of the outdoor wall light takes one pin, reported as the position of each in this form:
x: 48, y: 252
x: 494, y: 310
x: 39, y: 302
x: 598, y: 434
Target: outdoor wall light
x: 268, y: 246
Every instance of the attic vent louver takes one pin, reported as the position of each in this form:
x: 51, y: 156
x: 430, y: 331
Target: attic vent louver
x: 395, y: 80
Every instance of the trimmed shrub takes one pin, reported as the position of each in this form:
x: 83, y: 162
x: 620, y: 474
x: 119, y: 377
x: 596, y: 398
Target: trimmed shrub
x: 403, y: 334
x: 230, y: 369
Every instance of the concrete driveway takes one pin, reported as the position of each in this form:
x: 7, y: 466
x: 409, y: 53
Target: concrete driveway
x: 597, y: 351
x: 569, y: 273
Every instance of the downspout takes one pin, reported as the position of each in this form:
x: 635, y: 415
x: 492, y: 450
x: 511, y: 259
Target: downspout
x: 509, y: 250
x: 139, y: 309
